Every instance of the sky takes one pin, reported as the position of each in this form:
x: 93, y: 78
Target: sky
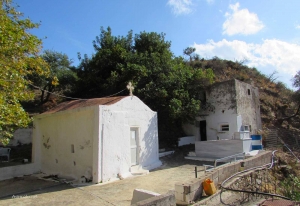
x: 264, y: 34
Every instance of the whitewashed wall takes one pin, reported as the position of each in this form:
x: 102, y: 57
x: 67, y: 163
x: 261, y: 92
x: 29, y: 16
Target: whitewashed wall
x: 21, y: 136
x: 221, y: 109
x: 186, y: 140
x: 222, y: 148
x: 18, y: 170
x: 117, y: 119
x: 101, y: 139
x: 54, y: 136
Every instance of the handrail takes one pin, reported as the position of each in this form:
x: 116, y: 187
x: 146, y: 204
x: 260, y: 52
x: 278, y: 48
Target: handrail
x: 266, y: 166
x: 220, y: 159
x: 228, y: 157
x: 207, y: 166
x: 288, y: 148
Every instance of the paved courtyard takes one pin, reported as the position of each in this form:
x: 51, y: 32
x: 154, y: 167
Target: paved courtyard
x: 30, y: 190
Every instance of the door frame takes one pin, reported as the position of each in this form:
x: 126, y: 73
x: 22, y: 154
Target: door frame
x: 137, y: 138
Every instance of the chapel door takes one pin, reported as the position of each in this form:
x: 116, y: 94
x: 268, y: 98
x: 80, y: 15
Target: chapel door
x: 134, y: 146
x: 203, y: 130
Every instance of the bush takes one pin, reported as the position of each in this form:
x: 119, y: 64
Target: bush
x: 291, y: 187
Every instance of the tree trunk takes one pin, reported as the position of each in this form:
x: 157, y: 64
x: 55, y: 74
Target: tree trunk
x: 43, y: 98
x: 280, y: 121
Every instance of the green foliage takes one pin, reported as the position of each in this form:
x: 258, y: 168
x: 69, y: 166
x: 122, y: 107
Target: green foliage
x: 18, y: 52
x: 61, y: 78
x: 290, y: 187
x: 164, y: 82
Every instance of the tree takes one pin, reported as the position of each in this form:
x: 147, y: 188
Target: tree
x: 164, y: 82
x: 296, y: 80
x: 18, y: 58
x: 294, y: 100
x: 61, y: 78
x: 296, y: 95
x: 189, y: 51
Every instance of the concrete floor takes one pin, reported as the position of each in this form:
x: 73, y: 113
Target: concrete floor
x: 30, y: 190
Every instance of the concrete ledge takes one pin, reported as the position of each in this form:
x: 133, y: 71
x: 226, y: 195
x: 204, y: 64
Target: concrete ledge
x: 162, y: 154
x: 161, y: 200
x: 18, y: 170
x: 140, y: 195
x: 186, y: 140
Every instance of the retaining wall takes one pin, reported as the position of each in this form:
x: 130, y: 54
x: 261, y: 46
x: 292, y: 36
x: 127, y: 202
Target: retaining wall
x: 18, y: 170
x: 187, y: 192
x: 186, y: 140
x: 222, y: 148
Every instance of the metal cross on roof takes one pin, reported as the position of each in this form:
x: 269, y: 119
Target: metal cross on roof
x: 130, y: 88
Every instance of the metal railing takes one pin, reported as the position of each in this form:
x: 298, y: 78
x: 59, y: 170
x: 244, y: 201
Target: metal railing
x: 252, y: 183
x: 229, y: 157
x: 235, y: 156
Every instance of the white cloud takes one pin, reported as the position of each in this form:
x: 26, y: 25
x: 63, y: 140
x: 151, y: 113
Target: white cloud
x: 267, y: 57
x: 241, y: 21
x: 298, y: 26
x: 181, y: 6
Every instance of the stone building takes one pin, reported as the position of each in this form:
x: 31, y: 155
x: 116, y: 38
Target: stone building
x: 230, y: 111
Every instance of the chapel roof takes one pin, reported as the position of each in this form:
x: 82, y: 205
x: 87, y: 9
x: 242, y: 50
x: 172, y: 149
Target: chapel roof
x: 84, y: 103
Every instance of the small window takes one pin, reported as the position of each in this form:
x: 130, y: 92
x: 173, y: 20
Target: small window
x: 224, y: 127
x: 246, y: 128
x: 249, y: 92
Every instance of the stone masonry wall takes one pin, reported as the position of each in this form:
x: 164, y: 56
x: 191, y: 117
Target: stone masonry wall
x: 189, y: 191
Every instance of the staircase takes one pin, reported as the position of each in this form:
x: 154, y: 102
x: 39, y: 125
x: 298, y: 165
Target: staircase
x: 272, y: 140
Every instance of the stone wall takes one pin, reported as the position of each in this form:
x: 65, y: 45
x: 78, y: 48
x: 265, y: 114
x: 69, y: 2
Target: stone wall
x: 187, y: 192
x: 247, y: 97
x: 231, y: 103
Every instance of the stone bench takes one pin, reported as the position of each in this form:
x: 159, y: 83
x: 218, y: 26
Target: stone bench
x: 5, y: 152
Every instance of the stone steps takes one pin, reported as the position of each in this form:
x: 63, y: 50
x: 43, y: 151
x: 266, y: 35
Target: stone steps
x: 272, y: 140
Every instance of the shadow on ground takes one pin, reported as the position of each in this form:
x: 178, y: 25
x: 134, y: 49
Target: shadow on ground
x: 175, y: 169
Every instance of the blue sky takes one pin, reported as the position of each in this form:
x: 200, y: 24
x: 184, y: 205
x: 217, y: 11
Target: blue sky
x: 266, y: 33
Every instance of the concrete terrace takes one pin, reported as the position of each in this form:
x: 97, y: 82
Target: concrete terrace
x: 29, y: 190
